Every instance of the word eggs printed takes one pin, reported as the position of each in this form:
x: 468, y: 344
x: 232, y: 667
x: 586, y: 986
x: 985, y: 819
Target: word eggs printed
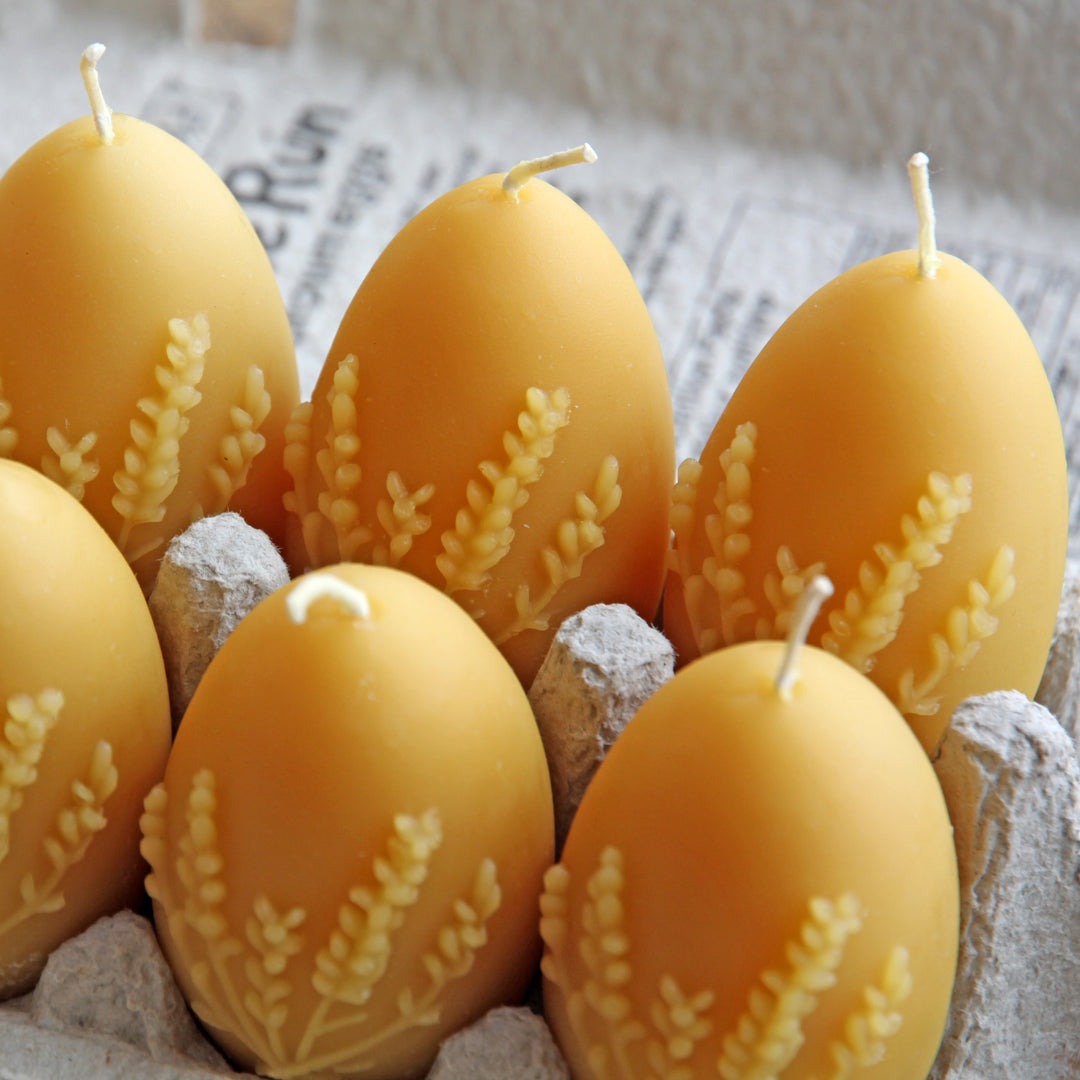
x: 84, y: 723
x: 349, y: 842
x: 494, y: 417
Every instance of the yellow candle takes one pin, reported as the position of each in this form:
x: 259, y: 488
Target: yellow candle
x: 349, y: 842
x: 146, y: 362
x: 899, y: 434
x: 494, y: 416
x: 760, y: 882
x: 84, y: 723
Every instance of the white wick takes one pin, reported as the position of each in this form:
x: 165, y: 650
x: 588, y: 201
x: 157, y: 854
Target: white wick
x: 818, y: 590
x: 312, y: 587
x: 102, y: 112
x: 918, y: 171
x: 526, y: 170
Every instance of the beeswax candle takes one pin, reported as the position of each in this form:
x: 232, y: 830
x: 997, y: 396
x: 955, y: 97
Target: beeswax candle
x: 84, y: 723
x: 494, y: 416
x: 349, y: 842
x: 899, y: 434
x: 760, y: 882
x: 146, y: 363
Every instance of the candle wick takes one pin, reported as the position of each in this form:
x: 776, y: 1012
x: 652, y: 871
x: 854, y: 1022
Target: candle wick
x: 102, y: 112
x: 818, y: 590
x: 314, y: 587
x: 524, y: 171
x: 918, y: 171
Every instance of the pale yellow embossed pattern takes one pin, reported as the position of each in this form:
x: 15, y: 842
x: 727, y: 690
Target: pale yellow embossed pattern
x: 245, y: 982
x: 715, y: 592
x: 966, y: 627
x: 575, y: 538
x: 873, y: 611
x: 668, y: 1044
x: 339, y: 465
x: 240, y: 445
x: 152, y: 460
x: 401, y: 519
x: 75, y: 826
x: 68, y: 464
x: 867, y: 1028
x: 869, y: 617
x: 297, y: 461
x: 482, y: 531
x: 22, y: 742
x: 783, y: 590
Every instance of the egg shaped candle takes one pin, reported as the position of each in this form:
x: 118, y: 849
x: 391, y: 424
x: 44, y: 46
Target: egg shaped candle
x: 760, y: 882
x: 899, y: 434
x: 84, y: 723
x: 146, y: 363
x: 494, y: 410
x: 349, y: 843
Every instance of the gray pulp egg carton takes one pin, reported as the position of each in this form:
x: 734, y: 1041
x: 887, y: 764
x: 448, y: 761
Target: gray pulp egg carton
x: 107, y: 1007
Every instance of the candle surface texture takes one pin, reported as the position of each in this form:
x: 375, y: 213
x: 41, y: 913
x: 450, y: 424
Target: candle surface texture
x: 899, y: 434
x: 759, y: 882
x: 494, y: 417
x: 84, y: 723
x: 147, y: 362
x: 348, y: 846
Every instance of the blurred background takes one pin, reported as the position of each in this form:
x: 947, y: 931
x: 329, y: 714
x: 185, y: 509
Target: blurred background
x: 989, y: 88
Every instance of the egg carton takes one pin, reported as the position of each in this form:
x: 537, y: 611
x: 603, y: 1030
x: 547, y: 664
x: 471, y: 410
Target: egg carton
x: 107, y: 1007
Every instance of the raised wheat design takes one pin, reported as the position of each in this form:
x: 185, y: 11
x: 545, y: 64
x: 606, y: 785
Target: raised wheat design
x: 68, y: 464
x: 338, y: 463
x: 152, y: 460
x: 75, y: 826
x: 715, y: 592
x: 245, y: 984
x: 667, y: 1044
x: 482, y: 531
x: 868, y: 619
x: 22, y: 742
x: 575, y: 539
x: 240, y: 445
x: 483, y: 528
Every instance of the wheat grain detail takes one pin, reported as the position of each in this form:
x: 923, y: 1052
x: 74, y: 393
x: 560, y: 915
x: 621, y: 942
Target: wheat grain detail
x: 245, y: 983
x: 669, y: 1042
x: 483, y: 530
x: 152, y: 459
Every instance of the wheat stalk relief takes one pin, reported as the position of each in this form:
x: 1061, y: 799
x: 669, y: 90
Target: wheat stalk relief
x: 23, y: 743
x: 152, y: 454
x: 336, y: 524
x: 867, y: 618
x: 245, y: 979
x: 668, y: 1041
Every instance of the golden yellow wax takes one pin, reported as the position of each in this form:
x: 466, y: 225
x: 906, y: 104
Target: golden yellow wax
x: 84, y: 723
x: 755, y: 886
x: 898, y: 433
x: 349, y: 843
x: 103, y: 246
x: 494, y: 417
